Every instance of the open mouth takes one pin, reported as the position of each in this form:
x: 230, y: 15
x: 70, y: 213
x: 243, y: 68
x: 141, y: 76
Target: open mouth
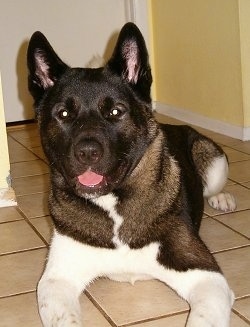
x: 91, y: 182
x: 91, y: 179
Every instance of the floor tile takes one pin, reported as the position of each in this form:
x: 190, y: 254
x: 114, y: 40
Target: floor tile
x: 31, y: 184
x: 19, y: 153
x: 9, y: 214
x: 39, y: 152
x: 20, y: 272
x: 28, y: 168
x: 27, y: 131
x: 236, y: 321
x: 26, y: 312
x: 91, y: 316
x: 34, y: 205
x: 180, y: 320
x: 221, y: 139
x: 234, y: 155
x: 246, y: 184
x: 239, y: 221
x: 242, y: 306
x: 20, y: 310
x: 44, y: 226
x: 242, y: 146
x: 173, y: 321
x: 126, y: 303
x: 18, y: 236
x: 30, y: 142
x: 241, y: 194
x: 229, y: 182
x: 235, y: 265
x: 240, y: 171
x: 218, y: 237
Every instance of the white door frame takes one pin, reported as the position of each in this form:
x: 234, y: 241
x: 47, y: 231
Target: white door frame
x: 138, y: 12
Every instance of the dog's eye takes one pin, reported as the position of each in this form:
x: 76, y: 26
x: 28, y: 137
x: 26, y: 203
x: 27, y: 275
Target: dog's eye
x: 117, y: 111
x: 62, y: 114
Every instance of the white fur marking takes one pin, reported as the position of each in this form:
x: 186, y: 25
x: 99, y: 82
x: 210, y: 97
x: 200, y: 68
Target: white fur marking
x: 73, y: 265
x: 216, y: 176
x: 108, y: 203
x: 216, y: 179
x: 222, y: 201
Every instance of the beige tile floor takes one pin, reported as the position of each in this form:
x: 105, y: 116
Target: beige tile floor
x: 25, y: 234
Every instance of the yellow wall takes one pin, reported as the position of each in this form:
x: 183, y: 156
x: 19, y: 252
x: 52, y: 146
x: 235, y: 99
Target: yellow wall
x: 197, y: 57
x: 244, y: 18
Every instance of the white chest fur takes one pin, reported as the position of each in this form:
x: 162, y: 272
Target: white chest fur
x: 108, y: 203
x: 123, y: 257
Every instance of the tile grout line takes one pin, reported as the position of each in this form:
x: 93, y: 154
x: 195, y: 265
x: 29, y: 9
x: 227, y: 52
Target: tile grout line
x: 223, y: 214
x: 26, y: 148
x: 100, y: 309
x: 241, y: 183
x: 237, y: 313
x: 138, y: 323
x: 243, y: 297
x: 33, y: 227
x: 23, y: 251
x: 16, y: 294
x: 231, y: 228
x: 231, y: 146
x: 230, y: 249
x: 29, y: 176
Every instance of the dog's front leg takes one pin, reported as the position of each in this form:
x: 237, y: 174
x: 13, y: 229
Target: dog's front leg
x: 207, y: 293
x: 196, y: 278
x: 58, y: 303
x: 66, y: 275
x: 210, y: 299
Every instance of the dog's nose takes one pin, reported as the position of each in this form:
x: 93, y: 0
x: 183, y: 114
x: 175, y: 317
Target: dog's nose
x: 88, y: 151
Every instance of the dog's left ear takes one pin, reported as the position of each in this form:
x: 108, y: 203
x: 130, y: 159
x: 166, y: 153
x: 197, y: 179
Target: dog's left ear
x: 130, y: 61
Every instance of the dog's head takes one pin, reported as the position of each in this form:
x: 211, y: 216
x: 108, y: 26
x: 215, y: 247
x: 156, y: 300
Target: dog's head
x: 95, y: 124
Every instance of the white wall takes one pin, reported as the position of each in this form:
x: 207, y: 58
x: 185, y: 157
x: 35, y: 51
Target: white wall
x: 76, y: 29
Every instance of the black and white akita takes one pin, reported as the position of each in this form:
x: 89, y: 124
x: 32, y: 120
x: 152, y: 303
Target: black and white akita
x: 127, y: 193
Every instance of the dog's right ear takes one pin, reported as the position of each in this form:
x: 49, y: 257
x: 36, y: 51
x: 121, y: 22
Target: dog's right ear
x: 44, y: 66
x: 130, y: 61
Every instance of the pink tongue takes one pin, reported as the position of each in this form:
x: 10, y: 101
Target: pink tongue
x: 89, y: 178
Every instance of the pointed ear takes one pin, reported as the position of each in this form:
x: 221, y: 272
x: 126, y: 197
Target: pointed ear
x: 130, y: 60
x: 44, y: 66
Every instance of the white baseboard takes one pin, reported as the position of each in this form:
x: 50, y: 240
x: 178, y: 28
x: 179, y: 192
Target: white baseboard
x: 241, y: 133
x: 7, y: 197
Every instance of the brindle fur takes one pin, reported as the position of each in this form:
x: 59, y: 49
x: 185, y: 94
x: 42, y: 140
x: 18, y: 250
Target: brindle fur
x: 160, y: 195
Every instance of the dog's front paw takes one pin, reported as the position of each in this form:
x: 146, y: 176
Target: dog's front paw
x: 58, y: 304
x: 58, y: 315
x: 222, y: 201
x: 200, y: 321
